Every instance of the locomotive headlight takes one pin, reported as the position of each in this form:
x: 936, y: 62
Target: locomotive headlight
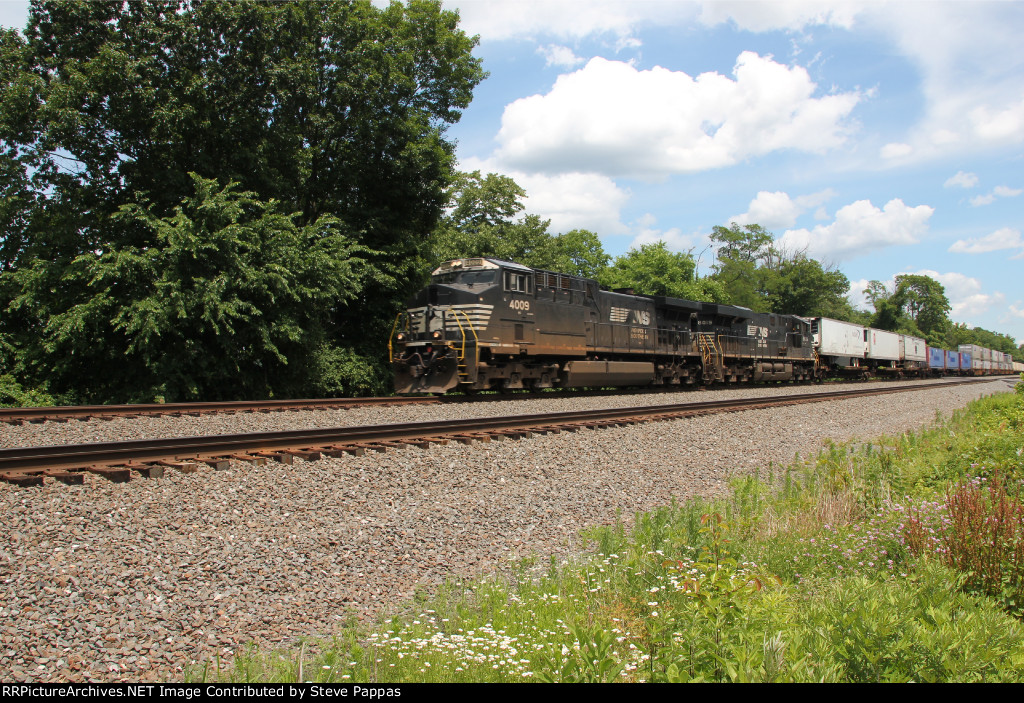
x: 436, y: 335
x: 400, y: 337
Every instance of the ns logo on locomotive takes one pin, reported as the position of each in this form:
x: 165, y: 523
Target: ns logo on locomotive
x: 484, y: 323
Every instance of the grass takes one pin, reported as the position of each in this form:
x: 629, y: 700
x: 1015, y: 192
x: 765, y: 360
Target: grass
x: 898, y: 560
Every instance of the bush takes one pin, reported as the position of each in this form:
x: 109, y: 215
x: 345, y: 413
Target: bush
x: 985, y: 540
x: 12, y: 395
x: 918, y: 629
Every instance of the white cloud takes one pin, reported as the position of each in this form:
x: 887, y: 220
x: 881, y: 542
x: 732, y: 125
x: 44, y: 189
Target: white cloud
x: 673, y: 238
x: 999, y: 124
x: 964, y: 293
x: 569, y: 200
x: 13, y: 14
x: 970, y: 64
x: 861, y: 228
x: 501, y: 19
x: 496, y: 20
x: 966, y: 53
x: 611, y: 118
x: 776, y: 210
x: 895, y: 150
x: 575, y: 201
x: 999, y: 240
x: 561, y: 56
x: 770, y: 210
x: 998, y: 191
x: 962, y: 179
x: 780, y: 14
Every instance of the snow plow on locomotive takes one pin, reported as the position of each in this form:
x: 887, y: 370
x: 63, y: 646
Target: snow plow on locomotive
x: 484, y: 323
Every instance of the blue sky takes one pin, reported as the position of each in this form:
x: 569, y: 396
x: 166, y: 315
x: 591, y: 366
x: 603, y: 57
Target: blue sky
x: 882, y: 137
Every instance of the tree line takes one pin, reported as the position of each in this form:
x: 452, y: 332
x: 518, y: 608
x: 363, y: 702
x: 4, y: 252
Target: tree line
x: 486, y: 218
x: 206, y: 200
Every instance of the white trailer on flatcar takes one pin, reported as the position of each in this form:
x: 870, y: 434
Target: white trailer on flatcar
x: 839, y: 344
x: 882, y: 347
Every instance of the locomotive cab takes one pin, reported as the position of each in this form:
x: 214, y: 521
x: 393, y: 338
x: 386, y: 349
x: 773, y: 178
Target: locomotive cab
x: 435, y: 341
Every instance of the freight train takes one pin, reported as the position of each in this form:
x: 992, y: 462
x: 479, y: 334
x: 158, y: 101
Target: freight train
x: 483, y: 324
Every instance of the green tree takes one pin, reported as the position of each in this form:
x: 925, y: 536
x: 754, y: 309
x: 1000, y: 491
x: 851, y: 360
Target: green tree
x: 480, y: 201
x: 743, y: 262
x: 481, y: 223
x: 750, y: 243
x: 654, y: 270
x: 923, y: 300
x: 887, y: 312
x: 256, y: 289
x: 580, y: 253
x: 332, y: 109
x: 802, y: 286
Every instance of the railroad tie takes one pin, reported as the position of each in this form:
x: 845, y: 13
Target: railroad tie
x: 113, y: 474
x: 185, y: 467
x: 147, y: 470
x: 304, y: 454
x: 217, y: 463
x: 279, y: 457
x: 250, y: 458
x: 71, y: 478
x: 22, y: 480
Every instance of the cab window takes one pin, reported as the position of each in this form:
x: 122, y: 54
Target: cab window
x: 469, y: 278
x: 517, y: 282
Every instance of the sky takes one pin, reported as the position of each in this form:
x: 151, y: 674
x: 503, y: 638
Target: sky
x: 879, y: 137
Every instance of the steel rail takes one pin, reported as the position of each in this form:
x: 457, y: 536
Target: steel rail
x: 65, y: 413
x: 135, y: 452
x: 81, y: 412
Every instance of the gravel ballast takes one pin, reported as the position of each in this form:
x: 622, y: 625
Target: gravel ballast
x: 125, y: 428
x: 136, y: 581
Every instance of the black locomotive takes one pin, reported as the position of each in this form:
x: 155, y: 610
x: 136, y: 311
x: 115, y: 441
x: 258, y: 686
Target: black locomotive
x: 484, y: 323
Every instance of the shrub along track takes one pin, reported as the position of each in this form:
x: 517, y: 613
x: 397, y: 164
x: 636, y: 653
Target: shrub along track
x: 118, y: 461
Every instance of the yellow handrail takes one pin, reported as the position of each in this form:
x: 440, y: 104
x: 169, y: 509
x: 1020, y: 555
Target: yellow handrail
x: 394, y: 326
x: 469, y: 323
x: 710, y: 352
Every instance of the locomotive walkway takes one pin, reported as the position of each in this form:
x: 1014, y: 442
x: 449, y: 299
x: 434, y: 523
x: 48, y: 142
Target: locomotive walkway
x: 119, y: 461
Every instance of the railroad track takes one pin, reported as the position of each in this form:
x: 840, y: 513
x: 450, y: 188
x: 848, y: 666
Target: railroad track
x: 119, y: 461
x: 19, y: 416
